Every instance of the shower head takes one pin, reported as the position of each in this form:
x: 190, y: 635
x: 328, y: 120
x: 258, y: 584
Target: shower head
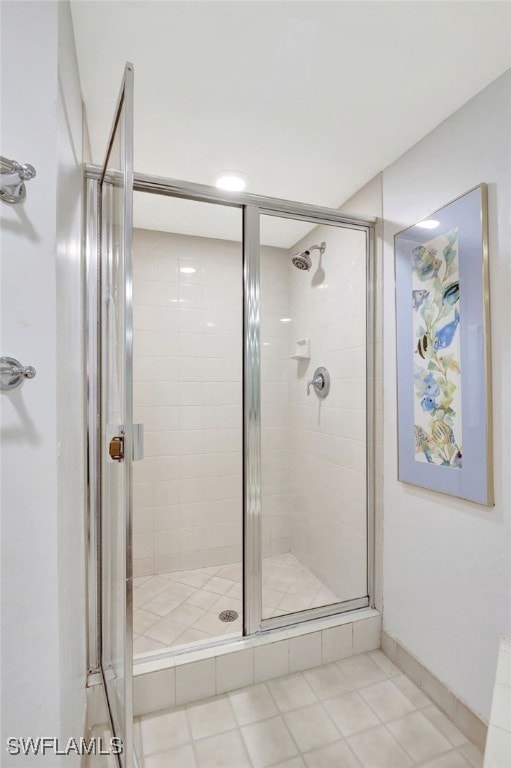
x: 303, y: 260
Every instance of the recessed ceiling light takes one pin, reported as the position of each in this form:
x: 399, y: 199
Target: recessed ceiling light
x: 285, y: 319
x: 231, y: 181
x: 188, y: 270
x: 428, y: 224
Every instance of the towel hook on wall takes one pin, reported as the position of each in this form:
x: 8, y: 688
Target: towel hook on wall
x: 13, y: 373
x: 14, y: 175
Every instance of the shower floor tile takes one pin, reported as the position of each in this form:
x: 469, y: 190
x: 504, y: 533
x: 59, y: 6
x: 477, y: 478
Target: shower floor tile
x: 259, y: 726
x: 183, y: 607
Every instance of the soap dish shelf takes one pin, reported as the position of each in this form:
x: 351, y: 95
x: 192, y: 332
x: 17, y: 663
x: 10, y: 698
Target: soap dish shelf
x: 302, y: 350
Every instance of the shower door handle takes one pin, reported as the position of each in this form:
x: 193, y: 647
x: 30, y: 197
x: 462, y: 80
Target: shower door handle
x: 116, y: 447
x: 116, y: 444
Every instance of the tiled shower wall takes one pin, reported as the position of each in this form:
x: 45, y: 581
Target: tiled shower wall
x: 276, y: 370
x: 328, y: 437
x: 188, y: 394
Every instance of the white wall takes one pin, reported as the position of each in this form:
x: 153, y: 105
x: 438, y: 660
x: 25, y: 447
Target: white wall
x: 43, y: 637
x: 447, y: 563
x: 70, y: 384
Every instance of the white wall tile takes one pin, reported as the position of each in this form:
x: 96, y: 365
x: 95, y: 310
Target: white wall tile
x: 166, y: 517
x: 165, y: 392
x: 166, y: 319
x: 166, y: 417
x: 164, y: 264
x: 190, y: 296
x: 144, y: 318
x: 143, y: 566
x: 143, y: 520
x: 167, y: 543
x: 163, y: 294
x: 195, y: 681
x: 166, y: 369
x: 166, y: 494
x: 191, y: 490
x: 166, y: 468
x: 337, y: 643
x: 304, y: 651
x: 143, y: 545
x: 165, y: 344
x: 190, y: 344
x: 143, y: 368
x: 154, y: 691
x: 366, y: 634
x: 271, y: 660
x: 234, y: 670
x: 192, y: 539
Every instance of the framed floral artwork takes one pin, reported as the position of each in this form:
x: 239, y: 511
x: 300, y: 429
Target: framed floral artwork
x: 443, y: 351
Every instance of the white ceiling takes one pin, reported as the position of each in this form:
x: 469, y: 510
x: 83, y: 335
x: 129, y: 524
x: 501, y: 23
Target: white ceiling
x: 308, y: 99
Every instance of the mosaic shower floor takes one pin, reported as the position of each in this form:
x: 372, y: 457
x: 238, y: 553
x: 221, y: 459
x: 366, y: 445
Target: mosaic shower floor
x: 183, y: 607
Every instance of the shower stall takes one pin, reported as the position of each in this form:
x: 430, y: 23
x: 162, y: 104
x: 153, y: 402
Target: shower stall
x: 230, y: 400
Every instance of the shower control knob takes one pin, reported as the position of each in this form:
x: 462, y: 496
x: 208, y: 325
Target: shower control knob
x: 320, y: 382
x: 317, y: 382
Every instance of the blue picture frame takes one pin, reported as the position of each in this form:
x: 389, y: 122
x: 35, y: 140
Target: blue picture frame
x: 443, y: 351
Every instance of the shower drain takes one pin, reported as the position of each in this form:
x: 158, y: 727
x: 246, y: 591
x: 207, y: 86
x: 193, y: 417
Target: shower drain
x: 228, y: 615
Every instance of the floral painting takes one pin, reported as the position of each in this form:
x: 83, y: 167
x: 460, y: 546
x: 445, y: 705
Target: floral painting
x: 436, y: 357
x: 443, y: 360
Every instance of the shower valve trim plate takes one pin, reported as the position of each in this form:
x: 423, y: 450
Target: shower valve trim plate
x: 320, y: 382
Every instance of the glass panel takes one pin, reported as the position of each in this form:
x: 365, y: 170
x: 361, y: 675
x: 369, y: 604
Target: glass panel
x: 313, y: 496
x: 187, y: 303
x: 116, y: 422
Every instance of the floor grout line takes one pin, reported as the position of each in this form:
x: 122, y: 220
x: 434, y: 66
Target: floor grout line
x: 277, y: 567
x: 281, y: 714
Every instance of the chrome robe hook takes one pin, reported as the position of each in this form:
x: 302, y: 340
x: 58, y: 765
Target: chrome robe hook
x: 14, y: 175
x: 13, y: 373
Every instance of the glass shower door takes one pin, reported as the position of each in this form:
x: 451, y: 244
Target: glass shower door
x: 115, y: 228
x: 306, y: 436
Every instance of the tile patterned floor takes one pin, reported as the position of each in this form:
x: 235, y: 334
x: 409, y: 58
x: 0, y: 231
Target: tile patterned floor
x: 180, y: 608
x: 357, y: 713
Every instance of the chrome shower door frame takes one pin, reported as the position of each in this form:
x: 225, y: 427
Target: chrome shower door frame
x: 252, y: 207
x: 252, y: 514
x: 114, y: 664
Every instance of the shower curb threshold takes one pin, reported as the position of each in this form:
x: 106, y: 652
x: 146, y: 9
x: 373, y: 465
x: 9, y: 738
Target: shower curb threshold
x: 173, y: 680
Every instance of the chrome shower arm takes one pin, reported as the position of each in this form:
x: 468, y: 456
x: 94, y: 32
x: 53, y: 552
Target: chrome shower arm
x: 321, y: 248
